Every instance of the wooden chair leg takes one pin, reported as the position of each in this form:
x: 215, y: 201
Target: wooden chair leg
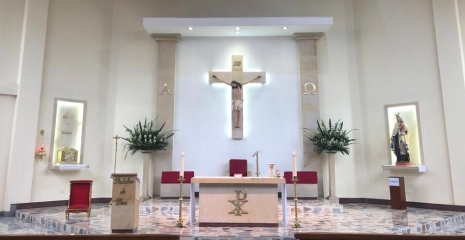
x: 88, y: 214
x: 67, y: 215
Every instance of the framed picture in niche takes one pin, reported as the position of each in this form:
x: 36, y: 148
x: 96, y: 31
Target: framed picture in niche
x: 67, y: 133
x: 404, y: 134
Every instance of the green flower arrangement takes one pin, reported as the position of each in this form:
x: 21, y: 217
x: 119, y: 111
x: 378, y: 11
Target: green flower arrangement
x: 330, y: 139
x: 145, y: 138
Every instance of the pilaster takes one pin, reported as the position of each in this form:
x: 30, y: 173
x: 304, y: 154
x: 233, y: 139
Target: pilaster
x: 309, y: 100
x: 166, y: 82
x: 451, y: 70
x: 26, y: 115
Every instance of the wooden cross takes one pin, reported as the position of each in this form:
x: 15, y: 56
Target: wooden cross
x: 230, y: 78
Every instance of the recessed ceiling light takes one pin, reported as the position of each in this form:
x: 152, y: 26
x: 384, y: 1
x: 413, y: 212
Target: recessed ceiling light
x: 238, y: 32
x: 190, y: 28
x: 238, y: 28
x: 284, y: 28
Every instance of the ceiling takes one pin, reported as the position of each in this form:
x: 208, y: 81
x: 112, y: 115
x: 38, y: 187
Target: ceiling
x: 226, y: 27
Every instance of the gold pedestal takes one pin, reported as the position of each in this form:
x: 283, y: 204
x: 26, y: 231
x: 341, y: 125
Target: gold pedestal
x: 180, y: 223
x: 296, y: 221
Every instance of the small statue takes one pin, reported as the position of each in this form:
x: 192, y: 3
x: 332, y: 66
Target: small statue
x: 399, y: 142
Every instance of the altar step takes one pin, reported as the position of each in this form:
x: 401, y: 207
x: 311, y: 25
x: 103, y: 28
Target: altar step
x: 159, y: 216
x: 99, y: 222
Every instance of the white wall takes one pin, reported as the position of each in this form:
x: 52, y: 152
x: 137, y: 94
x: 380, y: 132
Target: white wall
x: 132, y: 82
x: 133, y: 75
x: 398, y: 64
x: 376, y: 53
x: 7, y: 104
x: 203, y: 110
x: 75, y: 67
x: 11, y: 19
x: 452, y: 70
x: 340, y: 95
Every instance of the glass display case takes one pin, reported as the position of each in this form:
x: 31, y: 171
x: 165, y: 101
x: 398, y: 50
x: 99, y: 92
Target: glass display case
x: 66, y: 151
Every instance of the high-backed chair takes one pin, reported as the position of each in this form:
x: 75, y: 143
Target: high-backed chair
x: 238, y: 166
x: 169, y: 187
x: 307, y: 186
x: 80, y: 195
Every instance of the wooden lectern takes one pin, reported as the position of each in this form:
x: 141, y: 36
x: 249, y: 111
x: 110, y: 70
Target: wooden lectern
x: 397, y: 190
x: 125, y: 203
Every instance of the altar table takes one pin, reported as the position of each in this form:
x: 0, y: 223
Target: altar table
x: 236, y: 202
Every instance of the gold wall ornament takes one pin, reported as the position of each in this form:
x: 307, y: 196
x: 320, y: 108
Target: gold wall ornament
x: 68, y: 155
x: 312, y: 91
x: 238, y: 203
x: 165, y: 89
x: 41, y: 153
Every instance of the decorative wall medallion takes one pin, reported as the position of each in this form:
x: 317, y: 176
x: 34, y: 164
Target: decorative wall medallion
x: 311, y: 91
x: 165, y: 89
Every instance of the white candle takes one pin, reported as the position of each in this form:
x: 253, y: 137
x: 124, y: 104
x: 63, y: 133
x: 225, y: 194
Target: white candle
x: 181, y: 169
x: 294, y: 165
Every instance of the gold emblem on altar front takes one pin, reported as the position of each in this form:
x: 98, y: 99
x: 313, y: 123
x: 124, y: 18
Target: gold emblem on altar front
x: 240, y: 200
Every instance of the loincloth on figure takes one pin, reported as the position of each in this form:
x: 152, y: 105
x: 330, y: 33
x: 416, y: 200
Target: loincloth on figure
x: 237, y: 105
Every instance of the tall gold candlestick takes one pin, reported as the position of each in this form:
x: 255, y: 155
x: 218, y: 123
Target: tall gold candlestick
x: 296, y: 221
x: 179, y: 223
x: 116, y: 137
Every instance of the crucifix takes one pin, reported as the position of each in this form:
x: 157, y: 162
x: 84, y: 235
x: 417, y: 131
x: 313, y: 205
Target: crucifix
x: 116, y: 151
x: 235, y: 79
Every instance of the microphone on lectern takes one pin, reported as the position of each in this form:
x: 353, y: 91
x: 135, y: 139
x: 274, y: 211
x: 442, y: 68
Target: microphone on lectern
x: 256, y: 153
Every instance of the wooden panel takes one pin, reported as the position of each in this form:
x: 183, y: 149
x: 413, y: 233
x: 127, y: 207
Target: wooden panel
x: 397, y: 193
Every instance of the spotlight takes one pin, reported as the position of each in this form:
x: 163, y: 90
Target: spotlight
x: 238, y: 28
x: 190, y: 28
x: 284, y: 28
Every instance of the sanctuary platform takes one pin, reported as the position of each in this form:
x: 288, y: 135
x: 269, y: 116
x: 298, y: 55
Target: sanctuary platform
x: 158, y: 216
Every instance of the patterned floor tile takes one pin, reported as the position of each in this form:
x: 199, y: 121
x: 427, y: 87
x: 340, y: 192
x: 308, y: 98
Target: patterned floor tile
x: 160, y: 216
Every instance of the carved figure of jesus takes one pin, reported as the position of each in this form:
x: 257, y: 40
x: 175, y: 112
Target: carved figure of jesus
x: 236, y: 79
x: 237, y: 100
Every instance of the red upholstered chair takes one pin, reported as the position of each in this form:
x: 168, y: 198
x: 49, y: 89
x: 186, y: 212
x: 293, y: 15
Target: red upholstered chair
x: 305, y: 177
x: 169, y: 187
x: 80, y: 194
x: 307, y: 186
x: 173, y: 176
x: 238, y: 166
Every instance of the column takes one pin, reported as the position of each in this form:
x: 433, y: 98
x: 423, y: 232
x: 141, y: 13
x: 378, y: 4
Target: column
x: 309, y: 100
x: 26, y: 115
x: 332, y: 179
x: 451, y: 70
x: 166, y: 76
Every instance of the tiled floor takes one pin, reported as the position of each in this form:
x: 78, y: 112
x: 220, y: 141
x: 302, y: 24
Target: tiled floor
x: 159, y: 216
